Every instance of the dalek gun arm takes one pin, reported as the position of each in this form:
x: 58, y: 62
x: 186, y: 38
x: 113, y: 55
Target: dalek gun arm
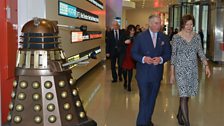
x: 56, y: 66
x: 70, y: 27
x: 82, y: 60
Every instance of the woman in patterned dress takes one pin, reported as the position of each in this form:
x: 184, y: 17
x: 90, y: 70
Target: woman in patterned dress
x: 186, y: 45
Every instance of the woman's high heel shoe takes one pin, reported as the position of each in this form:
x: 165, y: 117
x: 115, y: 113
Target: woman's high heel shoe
x: 180, y: 120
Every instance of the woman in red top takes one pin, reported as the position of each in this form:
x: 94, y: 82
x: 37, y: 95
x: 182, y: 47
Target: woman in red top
x: 128, y: 62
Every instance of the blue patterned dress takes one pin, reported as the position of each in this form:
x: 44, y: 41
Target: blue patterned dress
x: 185, y: 60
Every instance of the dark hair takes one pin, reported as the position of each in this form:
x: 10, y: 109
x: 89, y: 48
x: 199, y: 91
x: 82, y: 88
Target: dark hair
x: 186, y: 18
x: 129, y: 28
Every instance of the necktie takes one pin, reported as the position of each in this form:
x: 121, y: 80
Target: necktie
x: 154, y: 39
x: 116, y: 35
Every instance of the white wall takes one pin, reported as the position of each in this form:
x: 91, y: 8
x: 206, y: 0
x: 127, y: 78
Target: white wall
x: 113, y: 9
x: 138, y: 16
x: 28, y: 9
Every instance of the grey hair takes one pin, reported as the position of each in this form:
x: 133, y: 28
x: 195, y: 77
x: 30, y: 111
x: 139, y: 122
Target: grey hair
x: 114, y: 21
x: 152, y: 17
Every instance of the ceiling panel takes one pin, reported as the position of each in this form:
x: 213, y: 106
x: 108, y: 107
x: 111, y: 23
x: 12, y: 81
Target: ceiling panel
x: 154, y: 4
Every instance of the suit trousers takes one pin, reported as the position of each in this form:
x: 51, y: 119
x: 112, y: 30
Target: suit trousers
x: 148, y: 92
x: 116, y: 58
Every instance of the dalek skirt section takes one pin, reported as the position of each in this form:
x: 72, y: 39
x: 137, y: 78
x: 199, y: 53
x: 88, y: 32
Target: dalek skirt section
x: 50, y: 100
x: 44, y: 93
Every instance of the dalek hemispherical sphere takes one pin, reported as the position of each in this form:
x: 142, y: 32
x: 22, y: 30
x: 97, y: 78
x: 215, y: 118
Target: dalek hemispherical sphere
x: 40, y: 34
x: 38, y: 25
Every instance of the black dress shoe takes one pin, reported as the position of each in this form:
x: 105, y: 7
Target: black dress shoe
x: 114, y: 81
x: 120, y: 79
x: 180, y: 120
x: 129, y: 89
x: 151, y: 124
x: 125, y: 85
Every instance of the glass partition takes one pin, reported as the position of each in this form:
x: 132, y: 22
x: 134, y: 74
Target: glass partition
x: 198, y: 9
x: 204, y: 24
x: 176, y: 19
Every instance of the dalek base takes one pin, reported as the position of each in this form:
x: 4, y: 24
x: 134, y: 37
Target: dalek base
x: 87, y: 123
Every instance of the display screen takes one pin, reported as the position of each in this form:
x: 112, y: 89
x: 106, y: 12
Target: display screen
x: 68, y: 10
x: 77, y: 36
x: 95, y: 36
x: 97, y: 3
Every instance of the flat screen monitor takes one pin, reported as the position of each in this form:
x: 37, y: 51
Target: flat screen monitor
x: 77, y: 36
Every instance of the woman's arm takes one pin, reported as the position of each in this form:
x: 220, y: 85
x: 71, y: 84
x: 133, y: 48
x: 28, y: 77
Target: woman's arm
x: 202, y: 57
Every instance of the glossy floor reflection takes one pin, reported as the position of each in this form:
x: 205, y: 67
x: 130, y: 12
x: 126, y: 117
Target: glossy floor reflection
x: 110, y: 105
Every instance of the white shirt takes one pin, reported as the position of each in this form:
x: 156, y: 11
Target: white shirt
x: 151, y: 33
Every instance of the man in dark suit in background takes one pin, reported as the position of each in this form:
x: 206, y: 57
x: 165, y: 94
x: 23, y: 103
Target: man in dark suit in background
x: 115, y: 49
x: 151, y: 50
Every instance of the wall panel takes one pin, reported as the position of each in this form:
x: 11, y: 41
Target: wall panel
x: 79, y: 47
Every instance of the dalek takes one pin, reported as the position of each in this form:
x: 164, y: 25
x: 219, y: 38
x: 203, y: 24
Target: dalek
x: 44, y: 92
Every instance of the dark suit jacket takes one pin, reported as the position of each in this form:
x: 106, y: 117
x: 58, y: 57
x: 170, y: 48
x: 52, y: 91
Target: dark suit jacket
x: 143, y: 46
x: 111, y: 43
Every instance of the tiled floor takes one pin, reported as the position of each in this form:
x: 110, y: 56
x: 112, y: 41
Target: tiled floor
x: 110, y: 105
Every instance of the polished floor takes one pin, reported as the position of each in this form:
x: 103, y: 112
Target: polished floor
x: 110, y: 105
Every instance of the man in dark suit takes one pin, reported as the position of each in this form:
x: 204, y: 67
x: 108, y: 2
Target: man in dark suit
x: 151, y: 50
x: 115, y: 49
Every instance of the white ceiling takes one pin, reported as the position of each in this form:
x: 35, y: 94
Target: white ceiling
x: 161, y: 5
x: 153, y: 3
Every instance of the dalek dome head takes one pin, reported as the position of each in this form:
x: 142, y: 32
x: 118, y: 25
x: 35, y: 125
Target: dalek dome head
x: 39, y: 25
x: 40, y: 34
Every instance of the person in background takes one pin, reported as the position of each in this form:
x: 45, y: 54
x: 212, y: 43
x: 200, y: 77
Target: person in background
x: 175, y: 30
x: 138, y: 29
x: 143, y: 29
x: 202, y: 37
x: 128, y: 62
x: 108, y: 29
x: 171, y: 33
x: 186, y: 45
x: 151, y: 49
x: 115, y: 49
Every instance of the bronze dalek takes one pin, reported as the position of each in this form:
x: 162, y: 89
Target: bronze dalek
x: 44, y: 93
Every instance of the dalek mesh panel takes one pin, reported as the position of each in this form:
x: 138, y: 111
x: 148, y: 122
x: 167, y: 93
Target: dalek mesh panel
x: 44, y: 93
